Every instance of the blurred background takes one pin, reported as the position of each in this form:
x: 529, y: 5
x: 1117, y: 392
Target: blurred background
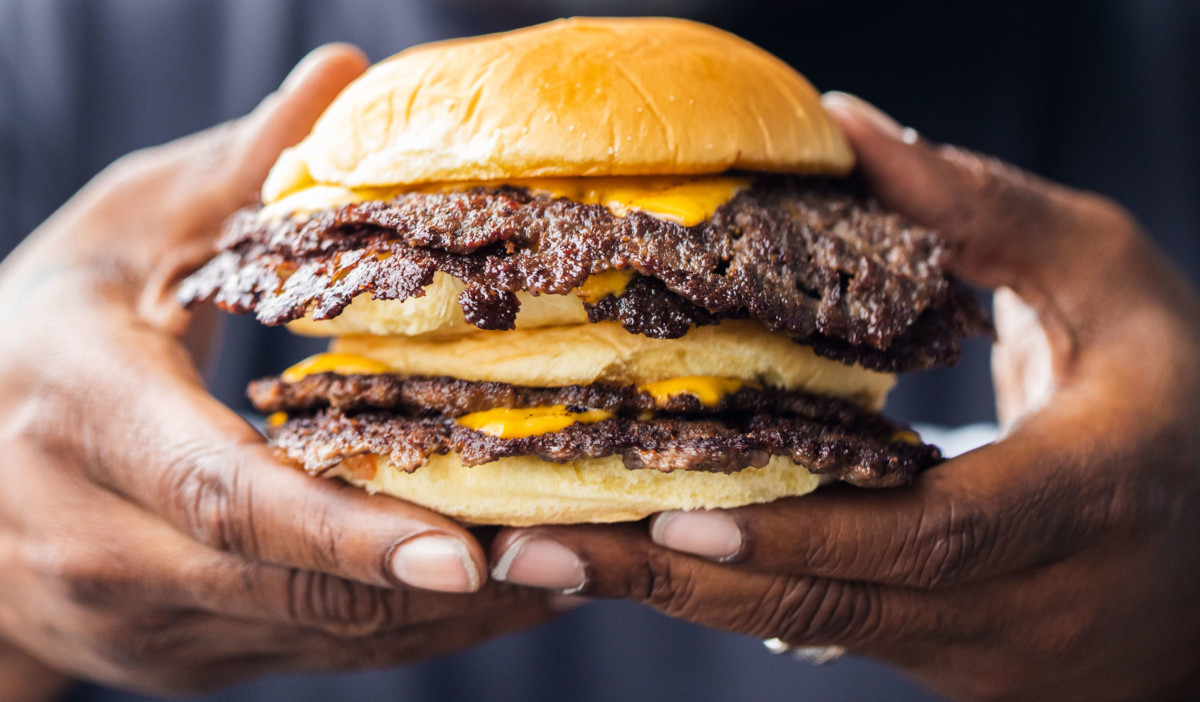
x: 1100, y: 94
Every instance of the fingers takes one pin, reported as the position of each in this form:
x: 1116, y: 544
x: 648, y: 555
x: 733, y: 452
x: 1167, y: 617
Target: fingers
x: 228, y: 163
x: 156, y: 213
x: 1060, y: 250
x: 126, y: 564
x: 214, y: 172
x: 1012, y: 223
x: 230, y: 493
x: 327, y: 653
x: 231, y: 160
x: 253, y: 649
x: 997, y: 510
x: 167, y: 652
x: 621, y: 561
x: 169, y: 446
x: 164, y: 568
x: 286, y: 116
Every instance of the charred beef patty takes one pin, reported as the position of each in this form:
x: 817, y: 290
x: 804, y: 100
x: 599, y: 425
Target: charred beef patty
x: 453, y: 397
x: 803, y: 256
x: 858, y: 455
x: 412, y: 418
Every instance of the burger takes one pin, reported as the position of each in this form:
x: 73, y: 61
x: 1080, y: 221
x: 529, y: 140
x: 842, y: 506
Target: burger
x: 583, y: 272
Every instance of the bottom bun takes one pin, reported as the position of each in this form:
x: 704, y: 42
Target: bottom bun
x: 525, y: 491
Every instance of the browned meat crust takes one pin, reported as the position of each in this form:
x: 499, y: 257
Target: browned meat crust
x: 453, y: 397
x: 861, y: 456
x: 825, y: 266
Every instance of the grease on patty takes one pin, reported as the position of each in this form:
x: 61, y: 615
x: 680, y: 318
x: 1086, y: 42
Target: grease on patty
x: 817, y: 262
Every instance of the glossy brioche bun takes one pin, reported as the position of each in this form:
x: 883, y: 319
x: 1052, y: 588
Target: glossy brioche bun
x: 525, y: 491
x: 604, y: 352
x: 573, y: 97
x: 437, y: 311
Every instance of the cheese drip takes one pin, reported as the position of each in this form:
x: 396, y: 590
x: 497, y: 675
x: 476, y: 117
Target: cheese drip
x: 709, y: 390
x: 340, y: 363
x: 508, y: 423
x: 599, y: 286
x: 685, y: 200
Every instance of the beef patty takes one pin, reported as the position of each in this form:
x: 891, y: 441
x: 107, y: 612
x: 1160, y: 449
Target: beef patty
x: 333, y: 418
x: 805, y: 257
x: 453, y: 397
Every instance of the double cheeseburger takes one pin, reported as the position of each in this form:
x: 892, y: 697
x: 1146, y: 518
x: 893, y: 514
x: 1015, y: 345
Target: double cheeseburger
x: 583, y: 272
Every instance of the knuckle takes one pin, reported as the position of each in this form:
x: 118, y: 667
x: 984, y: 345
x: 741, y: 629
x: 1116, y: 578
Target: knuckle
x: 663, y: 584
x: 85, y: 576
x: 209, y: 150
x: 322, y: 539
x: 807, y: 610
x: 201, y: 491
x: 343, y: 608
x: 945, y: 547
x: 133, y: 166
x: 998, y: 195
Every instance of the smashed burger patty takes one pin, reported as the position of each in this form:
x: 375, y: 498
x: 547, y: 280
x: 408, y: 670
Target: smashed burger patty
x: 454, y: 397
x: 334, y: 417
x: 802, y: 256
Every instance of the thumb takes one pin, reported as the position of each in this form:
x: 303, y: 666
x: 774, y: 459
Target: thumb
x: 1059, y: 249
x: 204, y: 177
x: 254, y: 142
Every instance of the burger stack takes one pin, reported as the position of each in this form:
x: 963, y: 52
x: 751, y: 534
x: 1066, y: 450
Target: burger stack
x: 584, y: 272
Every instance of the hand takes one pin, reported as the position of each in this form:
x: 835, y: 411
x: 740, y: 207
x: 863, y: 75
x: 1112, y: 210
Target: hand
x: 1061, y: 562
x: 147, y: 537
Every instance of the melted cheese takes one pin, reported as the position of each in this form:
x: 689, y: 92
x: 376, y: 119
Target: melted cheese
x: 340, y: 363
x: 709, y: 390
x: 508, y: 423
x: 685, y: 200
x: 276, y: 419
x: 599, y: 286
x: 907, y: 436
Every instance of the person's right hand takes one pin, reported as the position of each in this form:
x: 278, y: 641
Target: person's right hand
x: 147, y: 537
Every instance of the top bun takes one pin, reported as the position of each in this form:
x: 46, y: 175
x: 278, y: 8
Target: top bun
x: 573, y: 97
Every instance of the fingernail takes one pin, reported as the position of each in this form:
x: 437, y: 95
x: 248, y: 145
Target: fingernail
x: 835, y: 101
x: 440, y: 563
x: 712, y: 534
x: 540, y: 562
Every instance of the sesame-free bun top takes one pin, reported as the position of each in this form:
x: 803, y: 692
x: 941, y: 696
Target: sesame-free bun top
x: 573, y: 97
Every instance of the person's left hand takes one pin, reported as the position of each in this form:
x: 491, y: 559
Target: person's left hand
x: 1061, y: 562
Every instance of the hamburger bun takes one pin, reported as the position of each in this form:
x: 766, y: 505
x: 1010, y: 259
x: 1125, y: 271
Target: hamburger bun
x: 604, y: 352
x: 574, y: 97
x: 524, y: 491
